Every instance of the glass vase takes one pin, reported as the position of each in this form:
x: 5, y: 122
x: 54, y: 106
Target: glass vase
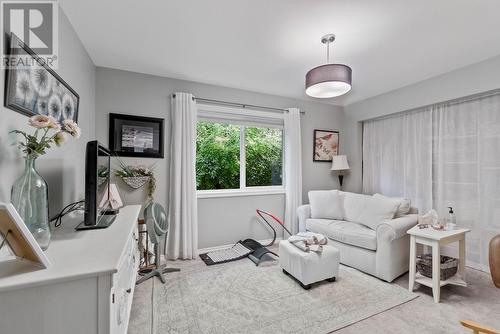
x: 29, y: 196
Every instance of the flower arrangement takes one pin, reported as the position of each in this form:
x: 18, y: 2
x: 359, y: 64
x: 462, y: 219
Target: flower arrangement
x: 137, y: 176
x: 48, y: 131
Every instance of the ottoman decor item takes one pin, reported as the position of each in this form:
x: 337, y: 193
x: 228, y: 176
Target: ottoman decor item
x: 309, y: 267
x: 494, y: 258
x: 448, y: 268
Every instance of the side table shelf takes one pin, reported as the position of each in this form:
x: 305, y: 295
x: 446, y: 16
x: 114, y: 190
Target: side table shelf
x: 435, y: 239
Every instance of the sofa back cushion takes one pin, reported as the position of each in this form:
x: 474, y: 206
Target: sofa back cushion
x: 353, y: 205
x: 325, y: 204
x: 378, y: 209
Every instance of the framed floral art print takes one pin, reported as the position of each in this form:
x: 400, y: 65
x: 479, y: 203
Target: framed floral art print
x: 35, y: 88
x: 326, y: 145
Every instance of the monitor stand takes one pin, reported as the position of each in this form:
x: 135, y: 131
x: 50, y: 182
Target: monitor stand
x: 104, y: 221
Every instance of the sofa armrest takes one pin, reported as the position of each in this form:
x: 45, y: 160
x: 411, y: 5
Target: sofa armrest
x: 396, y: 228
x: 303, y: 213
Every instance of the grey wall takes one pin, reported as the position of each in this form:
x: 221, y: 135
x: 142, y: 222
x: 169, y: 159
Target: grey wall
x: 221, y: 220
x: 62, y: 168
x: 469, y: 80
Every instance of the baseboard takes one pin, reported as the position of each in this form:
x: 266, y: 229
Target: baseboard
x: 216, y: 248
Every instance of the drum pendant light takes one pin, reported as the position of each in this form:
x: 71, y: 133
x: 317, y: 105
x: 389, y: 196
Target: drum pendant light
x: 329, y: 80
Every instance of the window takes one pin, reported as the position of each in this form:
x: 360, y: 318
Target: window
x: 234, y: 154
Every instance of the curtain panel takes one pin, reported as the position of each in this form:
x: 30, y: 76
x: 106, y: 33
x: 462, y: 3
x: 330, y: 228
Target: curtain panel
x: 443, y: 155
x: 183, y: 212
x: 293, y: 168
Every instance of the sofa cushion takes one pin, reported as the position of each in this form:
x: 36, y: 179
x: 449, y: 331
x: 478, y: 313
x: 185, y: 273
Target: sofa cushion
x: 325, y: 204
x: 344, y: 231
x: 378, y: 209
x: 353, y: 205
x: 403, y: 209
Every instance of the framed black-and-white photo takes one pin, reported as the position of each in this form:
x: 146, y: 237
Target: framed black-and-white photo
x: 136, y: 136
x: 36, y: 89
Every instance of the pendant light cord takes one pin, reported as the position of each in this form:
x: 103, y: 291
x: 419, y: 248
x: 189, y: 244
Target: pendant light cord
x: 328, y: 52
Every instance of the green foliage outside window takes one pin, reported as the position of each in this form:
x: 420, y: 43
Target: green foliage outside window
x: 264, y: 153
x: 218, y: 156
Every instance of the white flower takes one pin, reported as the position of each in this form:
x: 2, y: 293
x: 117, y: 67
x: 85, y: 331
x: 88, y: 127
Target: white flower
x: 60, y: 138
x: 54, y: 124
x: 40, y: 121
x: 43, y: 107
x: 68, y: 107
x: 72, y: 128
x: 24, y: 91
x: 41, y: 80
x: 55, y: 107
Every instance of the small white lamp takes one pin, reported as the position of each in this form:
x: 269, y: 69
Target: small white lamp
x: 339, y: 163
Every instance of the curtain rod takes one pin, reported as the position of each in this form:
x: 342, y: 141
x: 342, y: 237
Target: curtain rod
x: 450, y: 102
x: 246, y: 105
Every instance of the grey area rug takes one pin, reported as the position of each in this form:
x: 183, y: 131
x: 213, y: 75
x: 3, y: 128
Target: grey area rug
x: 239, y: 297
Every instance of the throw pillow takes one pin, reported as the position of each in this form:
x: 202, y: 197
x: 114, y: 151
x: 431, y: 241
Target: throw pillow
x: 403, y: 209
x: 378, y: 209
x: 404, y: 206
x: 325, y: 204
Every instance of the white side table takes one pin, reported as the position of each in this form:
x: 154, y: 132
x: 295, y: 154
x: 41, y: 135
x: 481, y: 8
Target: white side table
x: 433, y: 238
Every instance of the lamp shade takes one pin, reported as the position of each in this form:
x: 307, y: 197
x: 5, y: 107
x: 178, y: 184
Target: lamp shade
x: 328, y: 80
x: 339, y: 162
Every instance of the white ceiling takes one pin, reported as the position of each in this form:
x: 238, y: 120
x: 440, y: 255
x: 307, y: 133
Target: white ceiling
x: 269, y: 45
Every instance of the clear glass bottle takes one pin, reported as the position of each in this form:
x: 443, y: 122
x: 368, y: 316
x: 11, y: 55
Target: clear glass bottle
x: 29, y: 196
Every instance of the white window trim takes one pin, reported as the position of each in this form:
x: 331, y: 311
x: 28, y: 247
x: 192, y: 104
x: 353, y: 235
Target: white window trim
x: 249, y: 191
x: 243, y: 190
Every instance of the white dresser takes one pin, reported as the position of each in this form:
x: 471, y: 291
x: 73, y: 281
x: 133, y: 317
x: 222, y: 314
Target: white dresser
x: 88, y: 288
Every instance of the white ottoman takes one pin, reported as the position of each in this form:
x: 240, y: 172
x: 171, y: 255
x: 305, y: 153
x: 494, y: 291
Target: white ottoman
x: 309, y: 267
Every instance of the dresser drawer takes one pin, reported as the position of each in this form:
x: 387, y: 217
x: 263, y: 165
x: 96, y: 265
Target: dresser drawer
x: 124, y: 285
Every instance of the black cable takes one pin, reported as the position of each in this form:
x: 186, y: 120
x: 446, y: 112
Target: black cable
x: 67, y: 209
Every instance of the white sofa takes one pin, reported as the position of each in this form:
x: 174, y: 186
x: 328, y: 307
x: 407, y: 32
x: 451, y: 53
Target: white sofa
x: 369, y: 231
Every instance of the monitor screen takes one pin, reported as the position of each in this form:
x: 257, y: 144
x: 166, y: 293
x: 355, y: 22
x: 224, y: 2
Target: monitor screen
x: 102, y: 193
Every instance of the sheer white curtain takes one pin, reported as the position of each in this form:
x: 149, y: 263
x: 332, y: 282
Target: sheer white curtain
x: 458, y: 151
x: 397, y: 157
x: 293, y: 168
x: 183, y: 233
x: 467, y: 169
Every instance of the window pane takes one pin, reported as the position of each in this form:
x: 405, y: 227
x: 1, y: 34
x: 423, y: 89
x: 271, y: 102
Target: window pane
x: 217, y: 156
x: 264, y: 156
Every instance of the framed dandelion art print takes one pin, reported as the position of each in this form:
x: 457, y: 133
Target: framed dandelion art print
x: 34, y: 88
x: 326, y: 145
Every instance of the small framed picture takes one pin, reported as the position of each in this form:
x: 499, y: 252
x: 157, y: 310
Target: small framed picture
x: 136, y: 136
x: 36, y: 89
x: 326, y: 145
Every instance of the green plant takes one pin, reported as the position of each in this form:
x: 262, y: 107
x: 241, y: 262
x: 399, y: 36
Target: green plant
x: 138, y: 171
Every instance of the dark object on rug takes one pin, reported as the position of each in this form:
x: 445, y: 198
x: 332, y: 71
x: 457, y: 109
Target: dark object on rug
x: 237, y: 252
x: 494, y: 258
x: 250, y: 248
x: 307, y: 286
x: 449, y: 266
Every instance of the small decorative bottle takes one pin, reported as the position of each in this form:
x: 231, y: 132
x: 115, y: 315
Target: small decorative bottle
x: 29, y: 196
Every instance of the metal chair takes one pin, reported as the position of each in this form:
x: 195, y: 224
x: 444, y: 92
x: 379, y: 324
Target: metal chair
x: 157, y: 226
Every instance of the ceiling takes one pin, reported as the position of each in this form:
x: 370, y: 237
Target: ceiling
x: 268, y: 46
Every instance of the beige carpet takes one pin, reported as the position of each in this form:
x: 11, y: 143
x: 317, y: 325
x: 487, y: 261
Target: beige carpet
x: 239, y: 297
